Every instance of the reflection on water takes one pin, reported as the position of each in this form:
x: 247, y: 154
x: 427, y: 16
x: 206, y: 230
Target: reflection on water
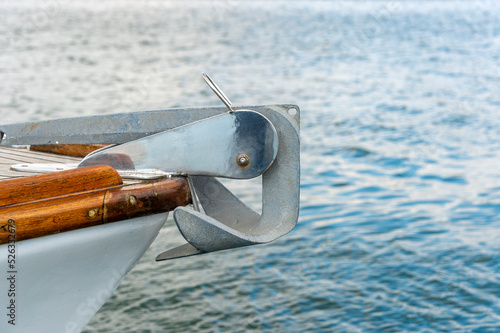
x: 400, y: 198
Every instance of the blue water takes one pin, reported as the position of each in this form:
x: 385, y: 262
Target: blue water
x: 399, y: 227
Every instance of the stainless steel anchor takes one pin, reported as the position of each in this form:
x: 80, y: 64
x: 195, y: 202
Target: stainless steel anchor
x: 200, y: 143
x: 229, y: 223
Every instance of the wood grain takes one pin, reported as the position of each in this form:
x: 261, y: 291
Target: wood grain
x: 90, y: 208
x: 68, y: 150
x: 14, y: 191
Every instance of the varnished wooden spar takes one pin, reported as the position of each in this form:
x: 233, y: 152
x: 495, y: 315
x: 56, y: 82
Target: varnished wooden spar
x: 68, y: 150
x: 86, y: 208
x: 26, y: 189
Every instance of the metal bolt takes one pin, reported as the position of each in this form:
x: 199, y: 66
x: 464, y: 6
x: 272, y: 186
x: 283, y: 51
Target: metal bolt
x: 132, y: 200
x: 243, y: 160
x: 93, y: 213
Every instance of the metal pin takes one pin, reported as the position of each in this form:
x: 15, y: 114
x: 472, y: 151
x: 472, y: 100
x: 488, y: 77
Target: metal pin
x: 218, y: 92
x: 93, y: 213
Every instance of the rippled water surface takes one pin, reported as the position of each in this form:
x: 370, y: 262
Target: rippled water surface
x: 399, y: 228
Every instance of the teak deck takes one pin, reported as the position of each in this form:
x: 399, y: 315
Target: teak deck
x: 36, y: 205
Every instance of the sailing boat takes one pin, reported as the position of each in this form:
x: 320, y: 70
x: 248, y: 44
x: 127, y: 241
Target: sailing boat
x: 71, y: 228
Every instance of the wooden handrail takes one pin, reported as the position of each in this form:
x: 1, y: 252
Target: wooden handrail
x: 48, y: 185
x: 69, y: 210
x: 68, y: 150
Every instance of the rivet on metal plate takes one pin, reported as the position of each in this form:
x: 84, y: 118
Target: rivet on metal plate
x: 243, y: 160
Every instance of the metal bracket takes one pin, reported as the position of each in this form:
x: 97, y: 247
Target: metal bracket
x: 239, y: 145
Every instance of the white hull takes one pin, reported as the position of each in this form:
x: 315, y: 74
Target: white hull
x: 62, y: 280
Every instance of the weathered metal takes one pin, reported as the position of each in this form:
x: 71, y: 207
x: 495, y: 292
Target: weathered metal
x: 110, y: 128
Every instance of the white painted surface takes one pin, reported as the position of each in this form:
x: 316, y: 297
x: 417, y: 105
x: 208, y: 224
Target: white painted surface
x: 62, y: 280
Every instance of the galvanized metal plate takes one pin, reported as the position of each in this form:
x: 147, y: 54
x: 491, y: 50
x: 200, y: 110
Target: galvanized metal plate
x: 110, y: 128
x: 237, y: 145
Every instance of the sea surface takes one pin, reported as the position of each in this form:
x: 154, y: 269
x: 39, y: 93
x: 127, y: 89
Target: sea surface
x: 399, y: 227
